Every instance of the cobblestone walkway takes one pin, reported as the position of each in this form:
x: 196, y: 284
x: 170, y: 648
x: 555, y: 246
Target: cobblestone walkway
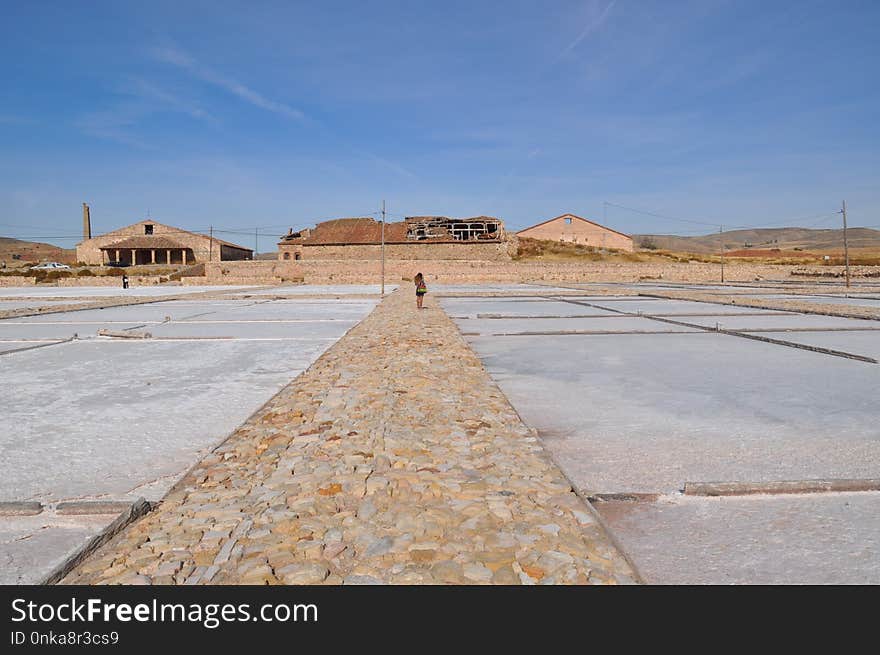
x: 394, y: 458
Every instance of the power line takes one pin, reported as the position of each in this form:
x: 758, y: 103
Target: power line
x: 656, y: 215
x: 822, y: 217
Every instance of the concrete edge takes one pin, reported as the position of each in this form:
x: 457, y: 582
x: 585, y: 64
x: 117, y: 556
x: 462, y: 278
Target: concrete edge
x: 136, y: 510
x: 819, y: 312
x: 20, y: 508
x: 625, y: 497
x: 41, y: 345
x: 89, y: 507
x: 781, y: 487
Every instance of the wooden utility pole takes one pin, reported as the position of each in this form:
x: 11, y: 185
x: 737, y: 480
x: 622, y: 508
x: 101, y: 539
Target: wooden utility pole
x: 845, y: 244
x: 210, y: 242
x: 721, y: 232
x: 256, y: 242
x: 383, y: 249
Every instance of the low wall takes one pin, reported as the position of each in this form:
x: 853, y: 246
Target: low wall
x: 836, y: 271
x: 250, y: 271
x: 464, y: 272
x: 109, y: 281
x: 446, y: 272
x: 415, y: 250
x: 17, y: 281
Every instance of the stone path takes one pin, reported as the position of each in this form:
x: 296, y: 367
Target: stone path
x: 393, y: 459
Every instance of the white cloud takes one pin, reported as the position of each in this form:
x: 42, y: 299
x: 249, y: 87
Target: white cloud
x: 165, y: 99
x: 114, y: 125
x: 180, y: 59
x: 590, y: 27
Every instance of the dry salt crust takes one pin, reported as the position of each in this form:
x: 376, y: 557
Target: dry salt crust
x: 104, y: 416
x: 393, y: 459
x: 636, y: 413
x: 323, y: 289
x: 32, y: 546
x: 8, y: 293
x: 31, y: 301
x: 114, y: 418
x: 794, y: 303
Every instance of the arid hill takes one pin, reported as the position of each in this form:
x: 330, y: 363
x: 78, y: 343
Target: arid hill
x: 787, y: 238
x: 33, y: 251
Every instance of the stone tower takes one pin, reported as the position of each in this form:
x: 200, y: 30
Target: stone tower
x: 87, y: 223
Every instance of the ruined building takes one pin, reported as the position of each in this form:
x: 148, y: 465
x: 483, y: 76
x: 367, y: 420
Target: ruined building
x: 416, y: 237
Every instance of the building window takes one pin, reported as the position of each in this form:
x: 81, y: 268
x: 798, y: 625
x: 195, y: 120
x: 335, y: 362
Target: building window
x: 148, y: 229
x: 568, y: 221
x: 287, y: 255
x: 297, y: 256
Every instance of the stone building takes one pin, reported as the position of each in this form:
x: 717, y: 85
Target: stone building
x: 574, y: 229
x: 150, y: 242
x: 416, y: 237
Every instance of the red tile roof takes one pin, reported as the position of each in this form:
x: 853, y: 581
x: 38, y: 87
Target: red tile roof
x: 355, y: 231
x: 151, y: 242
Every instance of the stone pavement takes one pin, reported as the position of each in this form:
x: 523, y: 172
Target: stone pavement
x: 393, y: 459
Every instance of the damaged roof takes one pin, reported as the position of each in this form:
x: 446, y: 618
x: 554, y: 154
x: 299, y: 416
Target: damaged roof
x: 354, y: 230
x: 368, y: 231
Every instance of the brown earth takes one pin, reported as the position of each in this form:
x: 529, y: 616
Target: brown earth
x: 773, y: 253
x: 33, y: 251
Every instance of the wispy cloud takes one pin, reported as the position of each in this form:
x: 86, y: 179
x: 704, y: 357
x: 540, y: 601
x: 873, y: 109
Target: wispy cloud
x: 181, y: 60
x: 119, y: 121
x: 588, y: 29
x: 165, y: 100
x: 114, y: 124
x: 393, y: 166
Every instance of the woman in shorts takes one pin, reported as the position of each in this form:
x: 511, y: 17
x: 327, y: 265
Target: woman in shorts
x: 421, y: 289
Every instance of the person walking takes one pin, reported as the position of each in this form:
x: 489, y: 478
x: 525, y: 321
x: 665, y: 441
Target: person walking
x: 421, y: 289
x: 124, y: 281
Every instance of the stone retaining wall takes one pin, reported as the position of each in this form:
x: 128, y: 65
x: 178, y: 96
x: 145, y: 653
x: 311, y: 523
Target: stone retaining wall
x: 415, y: 250
x: 836, y: 271
x: 462, y: 272
x: 110, y: 280
x: 17, y: 281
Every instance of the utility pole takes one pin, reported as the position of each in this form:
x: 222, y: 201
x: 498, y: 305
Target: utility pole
x: 721, y: 232
x: 845, y: 244
x: 256, y: 241
x: 383, y: 249
x: 211, y: 242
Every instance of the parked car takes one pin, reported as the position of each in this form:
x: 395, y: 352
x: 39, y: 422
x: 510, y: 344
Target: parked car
x: 117, y: 264
x: 51, y: 266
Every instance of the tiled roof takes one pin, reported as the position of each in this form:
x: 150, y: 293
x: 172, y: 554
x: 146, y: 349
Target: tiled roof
x: 355, y: 230
x: 157, y: 242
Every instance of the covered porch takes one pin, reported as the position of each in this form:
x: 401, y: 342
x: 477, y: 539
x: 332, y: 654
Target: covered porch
x: 135, y: 252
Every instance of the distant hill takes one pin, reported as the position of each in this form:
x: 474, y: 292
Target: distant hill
x: 32, y: 251
x: 785, y: 238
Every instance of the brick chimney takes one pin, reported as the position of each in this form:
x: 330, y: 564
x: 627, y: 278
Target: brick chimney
x: 87, y: 223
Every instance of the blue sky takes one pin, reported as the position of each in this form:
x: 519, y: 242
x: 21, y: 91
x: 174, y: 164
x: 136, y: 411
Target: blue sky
x: 246, y: 115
